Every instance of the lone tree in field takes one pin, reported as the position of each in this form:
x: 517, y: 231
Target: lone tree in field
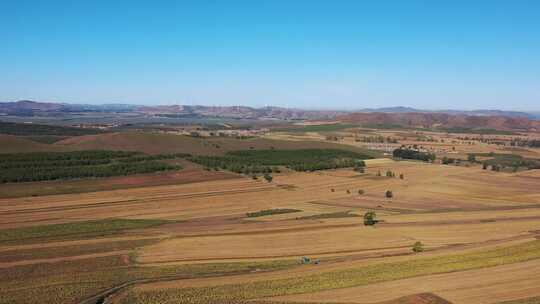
x: 369, y: 218
x: 418, y: 247
x: 268, y: 177
x: 389, y: 194
x: 401, y: 176
x: 360, y: 192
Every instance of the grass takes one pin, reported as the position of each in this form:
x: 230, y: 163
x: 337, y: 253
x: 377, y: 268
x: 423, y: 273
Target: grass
x: 72, y: 281
x: 340, y: 214
x: 271, y: 212
x: 484, y: 131
x: 533, y: 300
x: 65, y: 251
x: 76, y: 230
x: 343, y: 278
x: 510, y: 160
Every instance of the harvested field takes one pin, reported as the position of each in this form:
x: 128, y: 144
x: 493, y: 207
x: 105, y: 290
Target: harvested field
x: 156, y: 143
x: 479, y: 286
x: 189, y: 174
x: 453, y: 211
x: 371, y: 274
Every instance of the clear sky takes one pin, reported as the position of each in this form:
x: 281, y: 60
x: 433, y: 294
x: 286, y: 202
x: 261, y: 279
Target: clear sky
x: 310, y: 54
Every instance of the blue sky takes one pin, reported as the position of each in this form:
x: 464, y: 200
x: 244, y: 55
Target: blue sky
x: 308, y: 54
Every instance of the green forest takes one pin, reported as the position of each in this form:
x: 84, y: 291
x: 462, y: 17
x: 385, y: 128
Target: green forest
x: 39, y: 166
x: 266, y: 161
x: 413, y: 154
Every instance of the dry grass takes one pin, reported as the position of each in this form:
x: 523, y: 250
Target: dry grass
x: 371, y: 274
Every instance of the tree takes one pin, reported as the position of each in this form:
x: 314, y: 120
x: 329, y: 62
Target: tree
x: 369, y: 218
x: 360, y: 192
x: 471, y: 158
x: 484, y: 166
x: 268, y: 177
x: 348, y: 191
x: 418, y: 247
x: 389, y: 194
x: 401, y: 176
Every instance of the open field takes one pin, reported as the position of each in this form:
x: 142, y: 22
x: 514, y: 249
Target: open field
x: 157, y: 143
x: 190, y: 173
x: 196, y: 235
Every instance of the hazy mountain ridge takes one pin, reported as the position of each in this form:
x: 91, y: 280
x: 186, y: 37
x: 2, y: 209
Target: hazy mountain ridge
x: 405, y: 116
x: 444, y: 120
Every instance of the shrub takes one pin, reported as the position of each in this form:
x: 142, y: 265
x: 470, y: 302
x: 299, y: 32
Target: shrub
x: 369, y: 218
x: 418, y: 247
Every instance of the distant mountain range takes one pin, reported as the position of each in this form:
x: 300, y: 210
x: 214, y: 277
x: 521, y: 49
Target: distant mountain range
x: 530, y: 115
x: 405, y: 116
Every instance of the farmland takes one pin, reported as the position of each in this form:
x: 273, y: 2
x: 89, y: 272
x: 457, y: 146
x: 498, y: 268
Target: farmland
x: 206, y: 233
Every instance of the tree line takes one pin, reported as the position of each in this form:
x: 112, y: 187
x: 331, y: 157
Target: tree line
x: 413, y: 154
x: 24, y: 129
x: 267, y: 161
x: 40, y: 166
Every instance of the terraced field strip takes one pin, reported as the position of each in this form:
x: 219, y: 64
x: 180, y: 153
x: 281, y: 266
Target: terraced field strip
x: 477, y: 286
x: 357, y: 276
x: 139, y: 201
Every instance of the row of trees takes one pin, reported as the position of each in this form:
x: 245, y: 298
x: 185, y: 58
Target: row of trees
x: 413, y: 154
x: 72, y: 172
x: 26, y: 167
x: 377, y: 139
x: 535, y: 143
x: 267, y: 161
x: 24, y: 129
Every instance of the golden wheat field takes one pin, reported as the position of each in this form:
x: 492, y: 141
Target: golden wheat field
x: 197, y: 237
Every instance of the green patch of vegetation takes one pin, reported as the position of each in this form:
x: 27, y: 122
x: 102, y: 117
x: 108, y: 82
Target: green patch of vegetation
x: 384, y: 126
x: 266, y: 161
x: 413, y: 154
x: 25, y: 129
x: 340, y: 214
x: 500, y: 161
x: 74, y: 230
x: 65, y: 251
x: 271, y: 212
x: 533, y: 143
x: 316, y: 128
x: 72, y: 281
x: 38, y: 166
x: 485, y: 131
x: 370, y: 218
x: 357, y: 276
